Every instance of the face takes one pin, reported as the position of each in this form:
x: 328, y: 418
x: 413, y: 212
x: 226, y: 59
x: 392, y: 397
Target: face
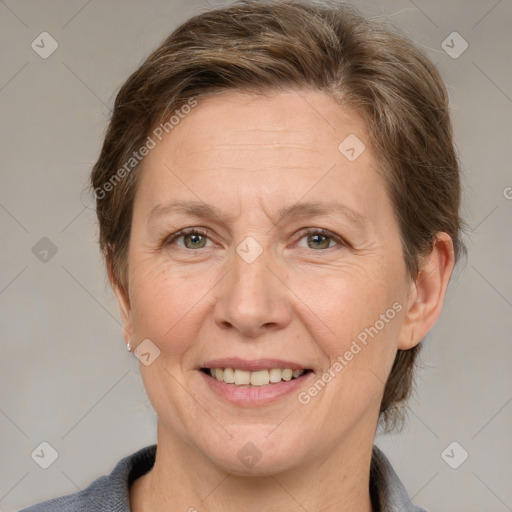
x: 291, y: 267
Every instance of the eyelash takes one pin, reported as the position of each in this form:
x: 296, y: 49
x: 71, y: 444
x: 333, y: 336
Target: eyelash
x: 204, y: 232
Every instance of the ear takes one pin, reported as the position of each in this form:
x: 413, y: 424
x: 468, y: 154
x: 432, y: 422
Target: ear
x: 123, y: 302
x: 427, y: 292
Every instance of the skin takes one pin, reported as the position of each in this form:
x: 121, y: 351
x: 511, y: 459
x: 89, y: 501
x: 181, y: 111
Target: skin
x: 303, y: 299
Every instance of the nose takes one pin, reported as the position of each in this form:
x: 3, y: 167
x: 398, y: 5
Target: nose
x: 253, y: 299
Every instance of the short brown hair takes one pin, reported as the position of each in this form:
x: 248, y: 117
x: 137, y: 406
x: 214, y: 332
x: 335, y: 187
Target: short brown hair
x: 260, y: 46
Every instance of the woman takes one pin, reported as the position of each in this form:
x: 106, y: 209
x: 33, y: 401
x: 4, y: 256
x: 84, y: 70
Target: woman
x: 278, y: 200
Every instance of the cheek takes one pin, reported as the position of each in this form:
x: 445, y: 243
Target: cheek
x: 359, y: 357
x: 336, y: 303
x: 165, y: 305
x: 351, y: 297
x: 171, y: 304
x: 362, y: 312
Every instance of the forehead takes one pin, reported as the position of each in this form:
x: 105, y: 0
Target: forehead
x: 274, y: 126
x: 236, y: 149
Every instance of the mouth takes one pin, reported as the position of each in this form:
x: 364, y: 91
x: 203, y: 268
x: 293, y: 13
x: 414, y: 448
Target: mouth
x: 239, y: 377
x: 253, y: 383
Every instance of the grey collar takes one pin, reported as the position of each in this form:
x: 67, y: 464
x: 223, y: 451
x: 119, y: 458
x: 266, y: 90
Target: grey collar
x: 387, y: 491
x: 110, y: 493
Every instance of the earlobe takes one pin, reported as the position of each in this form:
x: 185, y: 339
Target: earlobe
x: 427, y: 292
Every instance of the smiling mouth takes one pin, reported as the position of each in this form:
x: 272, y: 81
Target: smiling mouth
x: 238, y: 377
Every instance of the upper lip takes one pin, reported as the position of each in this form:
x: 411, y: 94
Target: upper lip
x: 252, y: 365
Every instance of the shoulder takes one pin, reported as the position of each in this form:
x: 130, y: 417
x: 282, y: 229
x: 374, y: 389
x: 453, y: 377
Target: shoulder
x: 87, y: 499
x: 108, y: 493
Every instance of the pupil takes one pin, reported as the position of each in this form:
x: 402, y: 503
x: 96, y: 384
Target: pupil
x: 317, y: 238
x: 195, y: 239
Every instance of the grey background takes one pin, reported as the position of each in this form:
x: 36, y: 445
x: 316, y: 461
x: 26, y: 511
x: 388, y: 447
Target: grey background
x: 65, y: 375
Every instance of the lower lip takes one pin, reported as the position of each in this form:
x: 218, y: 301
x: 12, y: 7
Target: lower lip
x: 254, y: 395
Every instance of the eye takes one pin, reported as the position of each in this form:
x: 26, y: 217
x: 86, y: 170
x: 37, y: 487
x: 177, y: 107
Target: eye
x: 318, y: 239
x: 197, y: 238
x: 193, y: 238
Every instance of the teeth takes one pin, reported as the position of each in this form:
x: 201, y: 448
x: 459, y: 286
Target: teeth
x: 229, y: 376
x: 260, y: 378
x: 257, y: 378
x: 241, y: 377
x: 286, y: 374
x: 275, y: 375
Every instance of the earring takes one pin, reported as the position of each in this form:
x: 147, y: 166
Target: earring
x: 128, y: 347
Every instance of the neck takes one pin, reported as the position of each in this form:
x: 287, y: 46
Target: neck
x: 337, y: 482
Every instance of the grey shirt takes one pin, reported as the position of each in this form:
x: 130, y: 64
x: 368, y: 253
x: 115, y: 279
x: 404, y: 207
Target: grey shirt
x: 110, y: 493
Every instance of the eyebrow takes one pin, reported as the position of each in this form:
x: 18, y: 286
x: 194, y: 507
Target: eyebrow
x: 203, y: 210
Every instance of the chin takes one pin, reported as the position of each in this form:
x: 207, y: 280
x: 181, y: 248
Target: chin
x: 255, y: 454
